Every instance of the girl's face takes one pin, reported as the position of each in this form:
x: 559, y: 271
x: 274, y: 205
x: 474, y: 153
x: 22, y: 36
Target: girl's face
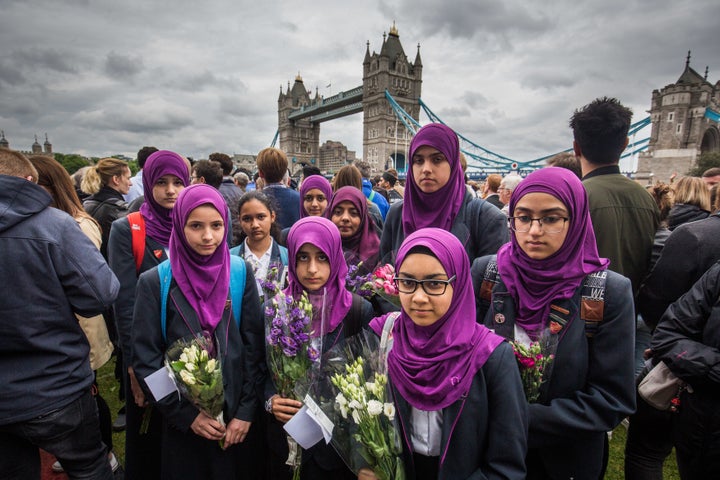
x: 430, y: 169
x: 256, y: 220
x: 540, y: 241
x: 312, y: 267
x: 347, y: 218
x: 423, y: 309
x: 315, y: 202
x: 204, y: 230
x: 166, y: 190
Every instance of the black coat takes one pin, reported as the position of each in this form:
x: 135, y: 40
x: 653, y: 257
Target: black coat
x: 241, y: 348
x: 592, y: 385
x: 105, y: 207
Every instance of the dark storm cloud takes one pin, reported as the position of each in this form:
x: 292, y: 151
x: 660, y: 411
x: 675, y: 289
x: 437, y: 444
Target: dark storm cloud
x: 123, y: 66
x: 43, y: 59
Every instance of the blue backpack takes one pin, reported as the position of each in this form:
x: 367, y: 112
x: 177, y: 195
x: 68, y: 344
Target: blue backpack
x: 237, y: 289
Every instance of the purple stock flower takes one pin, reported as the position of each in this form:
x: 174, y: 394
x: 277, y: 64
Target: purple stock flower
x: 313, y: 354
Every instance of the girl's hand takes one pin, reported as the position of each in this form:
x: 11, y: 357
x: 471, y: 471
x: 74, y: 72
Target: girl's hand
x: 284, y: 408
x: 235, y: 432
x: 207, y: 427
x: 137, y: 392
x: 366, y: 474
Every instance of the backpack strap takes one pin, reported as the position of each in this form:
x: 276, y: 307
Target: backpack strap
x: 137, y: 231
x: 237, y: 289
x: 283, y: 255
x: 592, y: 301
x: 372, y: 195
x: 237, y: 286
x: 165, y: 274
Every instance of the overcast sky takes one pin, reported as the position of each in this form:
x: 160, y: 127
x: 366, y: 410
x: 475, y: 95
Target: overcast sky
x: 107, y: 77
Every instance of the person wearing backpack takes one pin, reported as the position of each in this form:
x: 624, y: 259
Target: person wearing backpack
x: 317, y: 266
x: 549, y: 285
x: 139, y: 242
x: 192, y: 294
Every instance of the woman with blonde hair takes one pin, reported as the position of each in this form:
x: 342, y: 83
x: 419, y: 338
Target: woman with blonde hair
x: 106, y: 182
x: 692, y: 202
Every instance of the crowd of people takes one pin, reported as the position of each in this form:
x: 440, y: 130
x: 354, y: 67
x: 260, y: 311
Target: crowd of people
x: 527, y: 310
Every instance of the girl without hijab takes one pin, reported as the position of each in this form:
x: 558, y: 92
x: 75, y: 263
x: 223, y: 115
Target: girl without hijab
x: 457, y: 391
x: 435, y: 196
x: 198, y: 303
x: 317, y: 266
x: 164, y: 176
x: 544, y: 293
x: 360, y: 240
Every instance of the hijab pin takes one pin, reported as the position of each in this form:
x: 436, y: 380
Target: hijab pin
x: 454, y: 381
x: 499, y: 318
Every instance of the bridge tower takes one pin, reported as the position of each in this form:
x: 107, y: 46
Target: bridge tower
x: 682, y: 127
x: 299, y: 139
x: 385, y: 140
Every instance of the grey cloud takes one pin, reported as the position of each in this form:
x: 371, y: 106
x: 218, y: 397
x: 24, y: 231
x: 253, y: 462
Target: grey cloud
x: 10, y: 75
x: 205, y: 79
x: 147, y: 120
x: 44, y: 59
x: 123, y: 66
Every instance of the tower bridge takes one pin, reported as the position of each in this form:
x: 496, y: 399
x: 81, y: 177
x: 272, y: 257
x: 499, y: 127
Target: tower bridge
x: 684, y: 120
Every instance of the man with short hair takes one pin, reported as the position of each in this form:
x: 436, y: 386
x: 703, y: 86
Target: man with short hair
x: 230, y: 192
x: 388, y: 181
x: 711, y: 176
x: 55, y: 271
x: 272, y: 164
x: 490, y: 190
x: 624, y: 216
x: 207, y: 171
x: 136, y: 189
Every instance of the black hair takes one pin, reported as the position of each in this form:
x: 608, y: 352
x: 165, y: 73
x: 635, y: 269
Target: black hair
x: 601, y: 129
x: 269, y: 204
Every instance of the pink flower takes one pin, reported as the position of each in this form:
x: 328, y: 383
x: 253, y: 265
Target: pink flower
x: 527, y: 362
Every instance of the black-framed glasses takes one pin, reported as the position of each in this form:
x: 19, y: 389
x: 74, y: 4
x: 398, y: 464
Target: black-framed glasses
x: 551, y: 224
x: 431, y: 286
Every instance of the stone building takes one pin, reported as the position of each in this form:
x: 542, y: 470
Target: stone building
x: 35, y: 149
x: 385, y: 140
x: 334, y: 156
x: 684, y: 119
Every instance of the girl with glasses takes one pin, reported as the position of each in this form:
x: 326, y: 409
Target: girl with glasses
x: 548, y: 289
x: 455, y: 386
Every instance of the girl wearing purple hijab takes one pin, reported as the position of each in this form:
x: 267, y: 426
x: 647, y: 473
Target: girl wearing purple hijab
x: 315, y: 195
x: 550, y: 285
x: 457, y: 391
x: 165, y: 175
x: 435, y: 196
x: 198, y: 302
x: 317, y: 266
x: 348, y: 210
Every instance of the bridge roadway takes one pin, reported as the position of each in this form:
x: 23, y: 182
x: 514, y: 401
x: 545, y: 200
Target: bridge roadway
x: 336, y: 106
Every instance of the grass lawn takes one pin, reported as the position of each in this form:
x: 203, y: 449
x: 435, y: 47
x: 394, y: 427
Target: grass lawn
x: 109, y: 389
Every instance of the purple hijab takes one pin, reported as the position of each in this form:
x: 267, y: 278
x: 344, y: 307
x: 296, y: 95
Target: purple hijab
x: 322, y: 233
x: 438, y: 209
x: 433, y: 366
x: 534, y: 284
x: 203, y: 279
x: 365, y: 243
x: 314, y: 181
x: 158, y: 221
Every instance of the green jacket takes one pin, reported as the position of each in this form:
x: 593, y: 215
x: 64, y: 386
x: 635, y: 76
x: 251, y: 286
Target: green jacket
x: 625, y: 218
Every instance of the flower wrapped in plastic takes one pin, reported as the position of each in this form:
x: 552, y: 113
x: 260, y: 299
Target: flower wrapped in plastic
x: 293, y: 350
x: 379, y: 282
x: 274, y: 281
x: 534, y: 360
x: 197, y: 373
x: 354, y: 395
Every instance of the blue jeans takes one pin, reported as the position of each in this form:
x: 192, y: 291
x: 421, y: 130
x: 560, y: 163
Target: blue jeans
x: 71, y: 433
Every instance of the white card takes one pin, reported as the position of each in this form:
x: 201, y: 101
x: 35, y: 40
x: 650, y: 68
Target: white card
x: 320, y: 418
x: 303, y: 429
x: 160, y: 384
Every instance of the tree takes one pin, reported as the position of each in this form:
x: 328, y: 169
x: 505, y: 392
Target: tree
x: 706, y: 160
x: 72, y: 162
